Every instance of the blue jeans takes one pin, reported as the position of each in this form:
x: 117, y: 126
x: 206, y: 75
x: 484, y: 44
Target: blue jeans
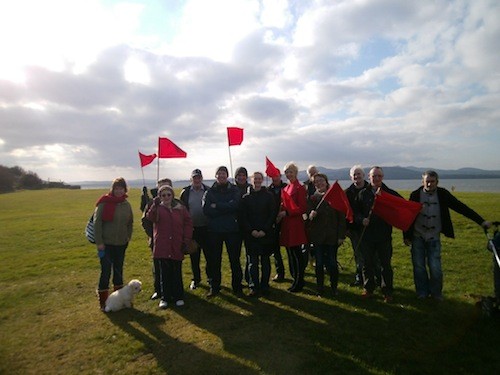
x: 427, y: 254
x: 113, y: 259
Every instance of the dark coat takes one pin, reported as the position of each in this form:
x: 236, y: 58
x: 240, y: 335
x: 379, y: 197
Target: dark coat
x: 328, y: 226
x: 352, y: 195
x: 446, y: 201
x: 224, y: 217
x: 258, y: 212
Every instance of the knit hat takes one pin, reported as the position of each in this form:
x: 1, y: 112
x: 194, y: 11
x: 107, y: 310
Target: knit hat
x: 241, y: 170
x: 222, y: 168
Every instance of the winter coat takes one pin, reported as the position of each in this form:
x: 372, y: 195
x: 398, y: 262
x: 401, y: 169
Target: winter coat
x: 352, y: 195
x: 172, y: 230
x: 118, y: 231
x: 446, y: 201
x: 328, y: 226
x: 222, y: 218
x: 258, y: 212
x: 293, y: 231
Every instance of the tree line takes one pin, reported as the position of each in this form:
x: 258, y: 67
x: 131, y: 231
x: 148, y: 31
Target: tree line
x: 16, y: 178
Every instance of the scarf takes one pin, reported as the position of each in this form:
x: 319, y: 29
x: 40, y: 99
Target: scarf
x: 110, y: 202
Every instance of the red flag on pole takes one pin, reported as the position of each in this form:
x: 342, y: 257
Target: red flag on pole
x: 337, y: 199
x: 396, y: 211
x: 168, y: 149
x: 235, y: 136
x: 146, y: 159
x: 271, y: 170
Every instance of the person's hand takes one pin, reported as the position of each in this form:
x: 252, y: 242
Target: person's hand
x: 313, y: 214
x: 100, y: 251
x: 255, y: 233
x: 407, y: 241
x: 341, y: 241
x: 213, y: 205
x: 486, y: 224
x: 366, y: 222
x: 262, y: 233
x: 157, y: 201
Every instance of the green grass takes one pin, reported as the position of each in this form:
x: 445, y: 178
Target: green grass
x: 50, y: 321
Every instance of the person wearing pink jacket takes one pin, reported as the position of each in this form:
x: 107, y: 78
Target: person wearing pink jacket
x: 172, y: 233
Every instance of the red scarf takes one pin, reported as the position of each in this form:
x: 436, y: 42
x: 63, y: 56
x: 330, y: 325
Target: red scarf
x: 110, y: 202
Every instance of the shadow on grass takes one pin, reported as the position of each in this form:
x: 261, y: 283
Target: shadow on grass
x: 171, y: 355
x: 301, y: 333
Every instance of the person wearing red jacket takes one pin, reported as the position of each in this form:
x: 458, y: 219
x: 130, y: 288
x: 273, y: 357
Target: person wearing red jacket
x: 293, y: 233
x: 172, y: 233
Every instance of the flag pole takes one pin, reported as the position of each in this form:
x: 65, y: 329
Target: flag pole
x: 230, y: 162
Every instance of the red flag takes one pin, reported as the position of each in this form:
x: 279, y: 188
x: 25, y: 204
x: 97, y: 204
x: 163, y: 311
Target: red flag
x: 396, y: 211
x: 234, y: 136
x: 146, y: 159
x: 168, y: 149
x: 287, y: 202
x: 337, y: 199
x: 271, y: 170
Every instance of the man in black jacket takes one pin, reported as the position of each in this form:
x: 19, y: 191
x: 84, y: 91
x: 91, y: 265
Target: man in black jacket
x: 424, y: 235
x: 377, y: 237
x: 221, y: 206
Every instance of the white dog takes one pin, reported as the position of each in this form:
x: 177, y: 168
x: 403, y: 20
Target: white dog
x: 122, y: 298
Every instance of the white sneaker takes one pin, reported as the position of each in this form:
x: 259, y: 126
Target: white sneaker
x: 163, y: 304
x: 193, y: 285
x: 179, y: 303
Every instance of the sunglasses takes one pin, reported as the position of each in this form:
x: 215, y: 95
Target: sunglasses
x: 166, y: 195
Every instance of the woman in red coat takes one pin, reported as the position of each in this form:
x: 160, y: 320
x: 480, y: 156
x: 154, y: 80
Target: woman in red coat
x: 172, y: 233
x: 293, y: 234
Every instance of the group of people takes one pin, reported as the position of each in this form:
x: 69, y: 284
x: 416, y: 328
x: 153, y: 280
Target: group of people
x: 293, y: 215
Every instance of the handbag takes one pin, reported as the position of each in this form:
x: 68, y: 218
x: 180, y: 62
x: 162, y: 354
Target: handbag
x: 89, y: 229
x: 192, y: 248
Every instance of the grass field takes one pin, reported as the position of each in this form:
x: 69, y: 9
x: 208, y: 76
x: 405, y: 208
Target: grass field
x: 50, y: 322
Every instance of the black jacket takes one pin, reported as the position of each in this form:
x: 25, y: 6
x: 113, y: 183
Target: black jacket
x: 258, y: 212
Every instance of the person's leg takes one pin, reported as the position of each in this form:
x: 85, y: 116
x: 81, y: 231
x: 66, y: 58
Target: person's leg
x: 177, y: 287
x: 332, y: 267
x: 233, y: 246
x: 117, y: 260
x: 319, y: 253
x: 418, y: 259
x: 266, y: 272
x: 384, y: 252
x: 253, y: 270
x: 278, y: 263
x: 358, y: 257
x: 368, y: 272
x: 435, y: 270
x: 214, y: 261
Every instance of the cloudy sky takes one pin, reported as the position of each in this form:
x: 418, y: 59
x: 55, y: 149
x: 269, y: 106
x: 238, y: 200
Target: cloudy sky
x: 85, y: 84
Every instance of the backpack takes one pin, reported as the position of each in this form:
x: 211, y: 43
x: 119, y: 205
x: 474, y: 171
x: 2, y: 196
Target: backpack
x: 89, y: 229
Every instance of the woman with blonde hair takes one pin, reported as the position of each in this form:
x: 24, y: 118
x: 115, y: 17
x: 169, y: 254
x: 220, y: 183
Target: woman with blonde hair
x: 293, y: 234
x: 113, y: 219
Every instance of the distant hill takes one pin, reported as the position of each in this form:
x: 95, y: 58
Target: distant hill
x: 391, y: 173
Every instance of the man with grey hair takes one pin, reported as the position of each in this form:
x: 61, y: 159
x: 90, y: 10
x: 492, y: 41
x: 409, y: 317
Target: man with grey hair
x: 354, y: 229
x: 309, y: 184
x: 424, y: 234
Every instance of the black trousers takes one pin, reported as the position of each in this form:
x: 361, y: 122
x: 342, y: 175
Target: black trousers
x: 170, y: 272
x: 214, y: 259
x: 200, y: 235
